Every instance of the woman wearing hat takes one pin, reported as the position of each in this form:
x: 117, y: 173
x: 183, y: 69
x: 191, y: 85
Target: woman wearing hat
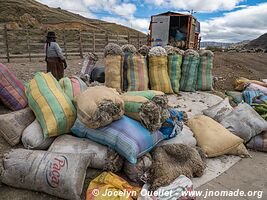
x: 56, y: 62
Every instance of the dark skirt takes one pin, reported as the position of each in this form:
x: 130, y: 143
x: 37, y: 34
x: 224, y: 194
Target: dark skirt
x: 56, y: 67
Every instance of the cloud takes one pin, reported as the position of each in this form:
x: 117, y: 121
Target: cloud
x: 197, y: 5
x: 140, y: 24
x: 247, y: 23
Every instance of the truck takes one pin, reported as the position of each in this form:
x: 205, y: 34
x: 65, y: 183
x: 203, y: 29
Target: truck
x: 175, y: 29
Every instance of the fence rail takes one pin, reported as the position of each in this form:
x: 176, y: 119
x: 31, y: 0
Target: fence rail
x: 29, y: 43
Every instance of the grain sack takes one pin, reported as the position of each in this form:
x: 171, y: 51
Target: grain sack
x: 138, y: 172
x: 126, y: 136
x: 158, y: 70
x: 259, y: 142
x: 244, y: 122
x: 144, y: 50
x: 185, y: 137
x: 171, y: 161
x: 52, y: 107
x: 11, y: 90
x: 113, y: 61
x: 58, y: 174
x: 33, y: 137
x: 175, y: 58
x: 13, y: 124
x: 219, y: 110
x: 250, y: 95
x: 188, y: 79
x: 256, y: 87
x: 105, y: 158
x: 118, y: 188
x: 212, y: 137
x: 241, y: 83
x: 237, y: 97
x: 136, y: 72
x: 72, y: 86
x: 205, y: 67
x: 88, y: 65
x: 98, y: 106
x: 148, y: 107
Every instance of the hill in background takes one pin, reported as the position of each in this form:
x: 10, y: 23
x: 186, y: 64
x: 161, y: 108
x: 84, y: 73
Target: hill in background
x: 260, y: 43
x: 31, y: 14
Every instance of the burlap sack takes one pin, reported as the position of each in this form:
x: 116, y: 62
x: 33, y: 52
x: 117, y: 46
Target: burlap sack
x: 13, y: 124
x: 212, y: 137
x: 105, y: 158
x: 33, y: 137
x: 58, y: 174
x: 138, y: 172
x: 98, y: 106
x: 113, y: 71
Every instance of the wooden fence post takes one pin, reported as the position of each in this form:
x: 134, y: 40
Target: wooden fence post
x: 107, y: 38
x: 64, y: 44
x: 94, y: 41
x: 128, y: 37
x: 80, y: 44
x: 28, y: 44
x: 6, y: 41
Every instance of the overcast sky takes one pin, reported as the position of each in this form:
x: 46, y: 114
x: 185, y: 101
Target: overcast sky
x: 221, y: 20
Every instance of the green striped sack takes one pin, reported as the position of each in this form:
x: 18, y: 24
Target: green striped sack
x: 174, y: 70
x: 72, y: 86
x: 189, y: 71
x: 204, y: 75
x: 137, y: 75
x: 52, y: 107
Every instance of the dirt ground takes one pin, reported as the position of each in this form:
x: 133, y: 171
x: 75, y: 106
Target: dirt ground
x: 249, y: 174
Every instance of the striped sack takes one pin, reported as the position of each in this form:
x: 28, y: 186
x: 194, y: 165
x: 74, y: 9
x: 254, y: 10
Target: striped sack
x: 72, y: 86
x: 189, y: 71
x: 174, y: 70
x: 158, y: 74
x: 137, y: 75
x: 126, y: 136
x: 204, y: 75
x: 11, y: 90
x: 258, y: 142
x: 250, y: 95
x: 52, y: 107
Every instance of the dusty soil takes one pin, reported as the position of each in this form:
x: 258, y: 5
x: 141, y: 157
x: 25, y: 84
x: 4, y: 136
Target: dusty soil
x: 227, y: 66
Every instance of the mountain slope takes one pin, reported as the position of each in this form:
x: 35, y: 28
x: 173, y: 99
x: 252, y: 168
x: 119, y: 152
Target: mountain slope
x: 260, y: 42
x: 32, y: 14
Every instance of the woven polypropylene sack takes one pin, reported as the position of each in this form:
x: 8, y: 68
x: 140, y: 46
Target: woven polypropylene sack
x: 137, y: 72
x: 113, y: 71
x: 11, y: 90
x: 52, y: 107
x: 205, y: 67
x: 174, y: 70
x: 72, y: 86
x: 158, y: 74
x: 259, y: 142
x: 13, y: 124
x: 189, y: 71
x: 98, y: 106
x: 58, y: 174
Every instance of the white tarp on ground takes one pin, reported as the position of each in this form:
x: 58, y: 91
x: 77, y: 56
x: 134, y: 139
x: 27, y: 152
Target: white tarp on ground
x: 193, y: 104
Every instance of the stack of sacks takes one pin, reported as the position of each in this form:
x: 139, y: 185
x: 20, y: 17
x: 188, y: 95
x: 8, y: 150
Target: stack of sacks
x: 13, y: 124
x: 242, y: 121
x: 11, y: 90
x: 126, y: 136
x: 241, y: 83
x: 158, y: 71
x: 58, y: 174
x: 72, y: 86
x: 148, y: 107
x: 214, y: 139
x: 204, y: 74
x: 135, y: 75
x: 189, y: 71
x: 113, y: 61
x: 175, y: 58
x: 51, y: 106
x: 104, y: 159
x: 98, y: 106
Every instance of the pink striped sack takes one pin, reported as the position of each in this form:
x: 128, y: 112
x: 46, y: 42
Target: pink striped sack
x: 11, y: 90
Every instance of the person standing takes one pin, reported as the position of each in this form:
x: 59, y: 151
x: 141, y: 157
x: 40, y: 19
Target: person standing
x: 56, y: 62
